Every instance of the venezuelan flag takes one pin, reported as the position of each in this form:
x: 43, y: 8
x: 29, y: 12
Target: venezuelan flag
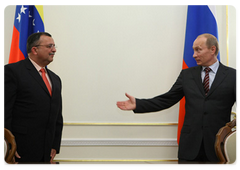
x: 28, y: 19
x: 200, y: 19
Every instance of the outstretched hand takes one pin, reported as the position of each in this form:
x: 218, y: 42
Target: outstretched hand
x: 128, y: 104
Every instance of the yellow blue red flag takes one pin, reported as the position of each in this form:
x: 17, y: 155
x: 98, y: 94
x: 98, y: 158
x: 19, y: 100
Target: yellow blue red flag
x: 28, y: 19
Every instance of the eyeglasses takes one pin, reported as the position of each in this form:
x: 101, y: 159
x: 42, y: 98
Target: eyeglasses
x: 51, y: 46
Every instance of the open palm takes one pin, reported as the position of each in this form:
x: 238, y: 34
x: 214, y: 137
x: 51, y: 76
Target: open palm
x: 128, y: 104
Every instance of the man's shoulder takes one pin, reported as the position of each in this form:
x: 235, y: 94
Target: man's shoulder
x: 190, y: 69
x: 15, y: 65
x: 227, y: 67
x: 53, y: 74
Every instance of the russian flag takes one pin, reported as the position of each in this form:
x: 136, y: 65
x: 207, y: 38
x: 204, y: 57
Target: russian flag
x: 200, y: 19
x: 28, y: 19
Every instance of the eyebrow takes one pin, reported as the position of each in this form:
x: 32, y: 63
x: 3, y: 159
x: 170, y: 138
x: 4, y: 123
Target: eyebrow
x: 197, y: 47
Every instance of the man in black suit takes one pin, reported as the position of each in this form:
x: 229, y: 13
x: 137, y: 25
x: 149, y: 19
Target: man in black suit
x: 206, y: 112
x: 33, y: 113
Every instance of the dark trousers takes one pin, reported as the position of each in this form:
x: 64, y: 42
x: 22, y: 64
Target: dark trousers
x: 201, y: 157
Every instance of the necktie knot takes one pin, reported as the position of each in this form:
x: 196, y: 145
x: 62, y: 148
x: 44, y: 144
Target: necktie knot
x: 207, y: 69
x: 42, y: 70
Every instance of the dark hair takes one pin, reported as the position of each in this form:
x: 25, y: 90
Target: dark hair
x: 33, y: 40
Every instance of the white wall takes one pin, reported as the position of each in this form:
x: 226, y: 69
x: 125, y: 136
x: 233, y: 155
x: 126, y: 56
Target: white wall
x: 105, y: 51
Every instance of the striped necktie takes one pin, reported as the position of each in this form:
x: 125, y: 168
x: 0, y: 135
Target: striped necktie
x: 206, y: 80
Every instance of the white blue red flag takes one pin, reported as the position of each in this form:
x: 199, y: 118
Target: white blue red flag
x: 28, y: 19
x: 200, y: 19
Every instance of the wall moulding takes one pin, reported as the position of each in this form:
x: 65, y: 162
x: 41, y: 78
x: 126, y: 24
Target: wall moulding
x: 119, y: 142
x: 116, y: 124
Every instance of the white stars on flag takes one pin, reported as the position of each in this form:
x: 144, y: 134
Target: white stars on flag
x: 33, y: 22
x: 22, y: 10
x: 30, y: 16
x: 19, y: 18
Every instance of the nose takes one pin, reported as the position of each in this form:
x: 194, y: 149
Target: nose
x: 54, y: 49
x: 194, y: 54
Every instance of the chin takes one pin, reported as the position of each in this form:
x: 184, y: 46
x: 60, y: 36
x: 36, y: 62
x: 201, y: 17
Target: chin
x: 199, y: 63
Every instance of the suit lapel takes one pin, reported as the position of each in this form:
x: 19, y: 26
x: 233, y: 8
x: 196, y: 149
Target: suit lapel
x: 34, y: 73
x: 220, y: 76
x: 197, y: 77
x: 51, y: 77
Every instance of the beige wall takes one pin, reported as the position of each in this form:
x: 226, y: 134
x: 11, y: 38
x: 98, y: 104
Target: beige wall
x: 105, y: 51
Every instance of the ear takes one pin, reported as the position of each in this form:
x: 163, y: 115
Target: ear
x: 213, y: 49
x: 34, y: 50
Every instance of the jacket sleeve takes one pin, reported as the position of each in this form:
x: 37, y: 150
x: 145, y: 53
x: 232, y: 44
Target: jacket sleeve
x: 163, y: 101
x: 59, y: 127
x: 58, y: 133
x: 235, y: 91
x: 10, y: 93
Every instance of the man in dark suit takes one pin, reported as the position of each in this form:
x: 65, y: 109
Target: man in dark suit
x: 33, y: 110
x: 206, y: 111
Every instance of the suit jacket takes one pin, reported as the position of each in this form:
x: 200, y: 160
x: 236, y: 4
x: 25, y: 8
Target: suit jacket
x: 31, y: 114
x: 205, y: 115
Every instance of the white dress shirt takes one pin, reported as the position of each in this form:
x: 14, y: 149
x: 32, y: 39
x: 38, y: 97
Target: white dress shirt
x: 39, y: 68
x: 212, y: 73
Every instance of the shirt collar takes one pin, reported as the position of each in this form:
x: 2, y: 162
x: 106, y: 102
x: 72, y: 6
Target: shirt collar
x: 213, y: 67
x: 36, y: 65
